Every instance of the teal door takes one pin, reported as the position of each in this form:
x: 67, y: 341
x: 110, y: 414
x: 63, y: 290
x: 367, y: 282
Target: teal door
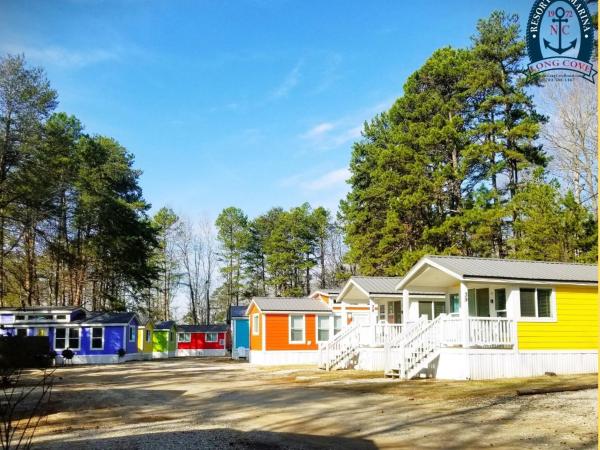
x: 242, y: 333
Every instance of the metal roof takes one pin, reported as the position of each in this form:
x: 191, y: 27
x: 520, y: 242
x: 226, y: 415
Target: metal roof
x: 301, y: 304
x: 165, y: 325
x: 110, y: 317
x: 213, y: 328
x: 469, y: 267
x: 237, y: 311
x: 50, y: 309
x: 377, y: 285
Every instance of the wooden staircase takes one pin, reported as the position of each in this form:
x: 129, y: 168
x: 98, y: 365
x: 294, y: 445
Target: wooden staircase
x: 339, y: 352
x: 413, y: 351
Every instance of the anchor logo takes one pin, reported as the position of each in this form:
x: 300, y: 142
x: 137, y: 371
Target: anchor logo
x: 560, y: 13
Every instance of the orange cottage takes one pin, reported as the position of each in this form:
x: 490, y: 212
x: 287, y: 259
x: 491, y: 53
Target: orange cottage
x: 288, y: 330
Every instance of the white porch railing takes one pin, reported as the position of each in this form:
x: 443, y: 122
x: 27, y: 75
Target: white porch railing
x: 490, y: 332
x: 379, y: 334
x: 412, y: 351
x: 339, y: 347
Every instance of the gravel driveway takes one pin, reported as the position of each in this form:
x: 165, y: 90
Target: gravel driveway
x: 198, y: 403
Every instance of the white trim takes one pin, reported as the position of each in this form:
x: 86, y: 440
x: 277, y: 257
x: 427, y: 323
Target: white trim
x: 415, y: 270
x: 349, y: 283
x: 130, y: 328
x: 256, y: 329
x: 185, y: 341
x: 329, y: 327
x: 201, y: 352
x: 211, y: 341
x: 290, y: 341
x: 264, y: 332
x: 553, y: 313
x: 92, y: 338
x: 147, y: 336
x: 67, y: 338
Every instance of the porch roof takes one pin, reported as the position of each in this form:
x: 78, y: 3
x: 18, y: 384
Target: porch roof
x: 289, y: 304
x: 364, y: 287
x: 445, y: 270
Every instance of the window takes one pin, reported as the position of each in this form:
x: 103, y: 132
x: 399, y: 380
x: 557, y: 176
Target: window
x: 479, y: 302
x: 66, y: 338
x: 60, y: 339
x: 296, y: 328
x: 382, y: 312
x: 454, y: 303
x: 536, y: 302
x: 500, y: 299
x: 255, y: 324
x: 431, y: 309
x: 131, y: 334
x: 97, y: 338
x: 74, y: 338
x: 148, y: 335
x: 61, y: 317
x: 20, y: 317
x: 212, y: 337
x: 322, y: 328
x: 170, y: 336
x: 184, y: 337
x: 337, y: 323
x: 22, y: 332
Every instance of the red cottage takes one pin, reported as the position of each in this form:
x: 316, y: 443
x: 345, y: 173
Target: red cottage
x: 202, y: 340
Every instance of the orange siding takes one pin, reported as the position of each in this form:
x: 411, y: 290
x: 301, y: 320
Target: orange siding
x: 278, y: 333
x: 255, y: 339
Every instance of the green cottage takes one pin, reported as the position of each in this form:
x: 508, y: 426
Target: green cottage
x: 164, y: 339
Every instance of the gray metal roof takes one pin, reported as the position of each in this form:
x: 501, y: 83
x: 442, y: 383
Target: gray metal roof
x: 237, y: 311
x: 110, y: 317
x: 165, y: 325
x: 378, y: 285
x: 469, y: 267
x: 301, y: 304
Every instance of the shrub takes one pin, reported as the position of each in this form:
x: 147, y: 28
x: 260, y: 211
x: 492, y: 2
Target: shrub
x: 121, y: 352
x: 67, y: 353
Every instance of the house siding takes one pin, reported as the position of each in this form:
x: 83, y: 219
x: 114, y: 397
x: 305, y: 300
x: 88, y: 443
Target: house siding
x: 198, y: 341
x: 241, y: 333
x: 255, y: 339
x: 278, y: 335
x: 576, y: 327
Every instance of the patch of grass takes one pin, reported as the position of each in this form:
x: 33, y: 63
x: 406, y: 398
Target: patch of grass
x: 433, y: 390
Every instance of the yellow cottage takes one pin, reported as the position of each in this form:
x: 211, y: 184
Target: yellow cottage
x: 484, y: 318
x: 145, y: 341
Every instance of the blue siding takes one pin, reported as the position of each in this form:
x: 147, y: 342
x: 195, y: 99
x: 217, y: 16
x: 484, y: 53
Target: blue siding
x: 242, y: 333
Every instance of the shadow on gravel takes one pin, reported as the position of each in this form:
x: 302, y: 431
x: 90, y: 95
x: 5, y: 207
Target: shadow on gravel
x: 221, y: 438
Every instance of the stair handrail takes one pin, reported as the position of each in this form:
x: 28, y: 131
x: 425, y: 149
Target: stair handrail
x: 335, y: 346
x: 427, y: 339
x: 410, y: 330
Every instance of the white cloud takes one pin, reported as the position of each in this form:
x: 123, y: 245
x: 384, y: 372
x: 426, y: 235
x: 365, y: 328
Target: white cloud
x: 332, y: 179
x: 318, y: 131
x: 63, y: 57
x: 290, y: 81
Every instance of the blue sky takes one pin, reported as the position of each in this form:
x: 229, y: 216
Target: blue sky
x: 252, y: 103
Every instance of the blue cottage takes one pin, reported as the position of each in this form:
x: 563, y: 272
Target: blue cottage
x: 94, y: 337
x: 240, y: 332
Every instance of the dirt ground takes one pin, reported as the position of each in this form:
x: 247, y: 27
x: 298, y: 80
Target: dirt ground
x: 217, y: 403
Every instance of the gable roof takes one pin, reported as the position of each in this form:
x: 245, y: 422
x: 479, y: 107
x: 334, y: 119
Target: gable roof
x: 164, y: 325
x: 213, y: 328
x: 299, y: 304
x: 48, y: 309
x: 237, y: 311
x: 465, y: 267
x: 110, y: 317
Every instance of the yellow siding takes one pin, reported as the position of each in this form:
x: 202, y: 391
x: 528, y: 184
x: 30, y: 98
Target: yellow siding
x: 575, y: 329
x: 143, y: 346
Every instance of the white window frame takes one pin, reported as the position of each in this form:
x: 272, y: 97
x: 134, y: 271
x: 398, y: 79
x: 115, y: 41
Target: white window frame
x: 92, y: 338
x: 67, y: 338
x: 341, y: 317
x: 303, y: 328
x: 320, y: 316
x: 553, y: 316
x: 187, y: 337
x: 134, y: 329
x: 255, y: 326
x: 148, y: 336
x: 212, y: 341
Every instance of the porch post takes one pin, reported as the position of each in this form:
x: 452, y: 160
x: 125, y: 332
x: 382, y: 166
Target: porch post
x: 464, y: 314
x: 405, y: 306
x: 372, y: 321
